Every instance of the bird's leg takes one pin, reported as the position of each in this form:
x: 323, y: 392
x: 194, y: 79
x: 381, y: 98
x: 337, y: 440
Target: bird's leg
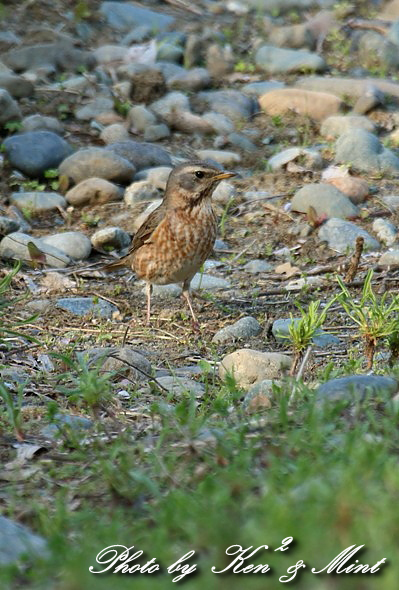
x: 148, y: 291
x: 186, y: 295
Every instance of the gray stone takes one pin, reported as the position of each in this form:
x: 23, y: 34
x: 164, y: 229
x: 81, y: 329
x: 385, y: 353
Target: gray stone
x: 223, y: 193
x: 110, y: 238
x: 94, y: 191
x: 170, y: 52
x: 337, y: 125
x: 37, y: 203
x: 7, y: 225
x: 73, y: 243
x: 171, y: 102
x: 56, y: 56
x: 180, y: 386
x: 261, y: 88
x: 83, y: 306
x: 17, y: 86
x: 157, y: 177
x: 392, y: 201
x: 251, y: 366
x: 232, y: 103
x: 389, y: 258
x: 97, y: 162
x: 130, y: 363
x: 38, y: 305
x: 309, y: 158
x: 364, y: 151
x: 222, y: 157
x: 156, y: 132
x: 259, y: 397
x: 326, y: 200
x: 141, y: 154
x: 64, y: 422
x: 257, y: 266
x: 17, y: 541
x: 105, y: 54
x: 356, y: 387
x: 35, y: 152
x: 140, y: 118
x: 140, y: 191
x: 15, y: 247
x: 276, y: 60
x: 190, y: 80
x: 41, y: 123
x: 9, y: 109
x: 200, y: 281
x: 91, y: 110
x: 386, y: 231
x: 321, y: 339
x: 243, y: 329
x: 241, y: 141
x: 123, y: 17
x: 113, y: 133
x: 221, y: 123
x: 341, y: 236
x: 371, y: 98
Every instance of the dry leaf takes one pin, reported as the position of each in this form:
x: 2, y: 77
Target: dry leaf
x: 286, y: 269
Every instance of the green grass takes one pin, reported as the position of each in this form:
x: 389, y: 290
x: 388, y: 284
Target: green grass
x: 206, y: 478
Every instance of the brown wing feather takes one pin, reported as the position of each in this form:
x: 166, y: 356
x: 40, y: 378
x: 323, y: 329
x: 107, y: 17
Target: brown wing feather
x: 140, y: 237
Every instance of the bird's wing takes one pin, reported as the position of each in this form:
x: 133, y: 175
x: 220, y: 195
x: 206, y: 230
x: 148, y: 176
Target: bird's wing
x: 141, y: 236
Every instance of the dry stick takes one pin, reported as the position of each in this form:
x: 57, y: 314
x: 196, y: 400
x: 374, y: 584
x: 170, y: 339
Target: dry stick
x: 113, y: 355
x: 185, y: 6
x: 381, y: 26
x: 303, y: 363
x: 355, y: 260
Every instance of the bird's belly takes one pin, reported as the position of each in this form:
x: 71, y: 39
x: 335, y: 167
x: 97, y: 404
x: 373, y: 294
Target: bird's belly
x: 177, y: 252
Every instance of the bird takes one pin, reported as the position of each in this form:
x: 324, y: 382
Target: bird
x: 176, y: 238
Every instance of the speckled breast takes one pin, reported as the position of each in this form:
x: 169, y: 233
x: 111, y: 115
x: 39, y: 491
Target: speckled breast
x: 178, y: 247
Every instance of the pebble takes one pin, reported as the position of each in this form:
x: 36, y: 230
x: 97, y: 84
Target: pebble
x: 73, y: 243
x: 110, y: 238
x: 113, y: 133
x: 83, y: 306
x: 7, y: 225
x: 385, y: 230
x: 278, y: 60
x: 139, y: 191
x: 64, y: 422
x: 97, y: 162
x: 223, y: 157
x: 389, y: 258
x: 252, y: 366
x: 17, y: 86
x: 139, y: 117
x: 157, y: 177
x: 326, y: 200
x: 355, y: 188
x: 15, y: 247
x: 190, y: 80
x: 200, y: 281
x: 259, y: 397
x: 309, y: 158
x: 36, y: 203
x: 219, y: 60
x: 94, y: 108
x: 232, y: 103
x: 343, y: 87
x: 41, y: 123
x: 34, y: 152
x: 17, y: 541
x: 316, y: 105
x: 241, y: 141
x: 50, y: 57
x: 9, y: 109
x: 124, y: 17
x: 93, y: 191
x: 257, y: 266
x: 356, y: 387
x: 171, y: 102
x: 364, y: 151
x: 156, y: 132
x: 321, y: 339
x: 341, y: 236
x: 260, y: 88
x: 336, y: 125
x: 139, y: 220
x: 220, y: 123
x: 129, y: 364
x: 170, y: 52
x: 243, y: 329
x: 141, y: 154
x: 180, y: 386
x: 392, y: 201
x: 224, y: 192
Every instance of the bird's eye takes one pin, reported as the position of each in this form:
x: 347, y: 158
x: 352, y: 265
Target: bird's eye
x: 199, y: 174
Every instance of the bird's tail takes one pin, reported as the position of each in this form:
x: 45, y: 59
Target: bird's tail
x: 115, y: 264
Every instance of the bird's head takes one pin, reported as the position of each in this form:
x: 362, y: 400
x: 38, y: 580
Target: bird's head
x: 191, y: 182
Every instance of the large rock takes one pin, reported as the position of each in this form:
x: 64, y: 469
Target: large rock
x: 41, y: 123
x: 316, y: 105
x: 232, y: 103
x: 9, y: 109
x: 35, y: 152
x: 16, y: 85
x: 97, y: 162
x: 344, y: 87
x: 364, y: 151
x: 94, y: 191
x: 58, y: 56
x: 325, y: 199
x: 141, y: 154
x: 335, y: 126
x: 125, y: 16
x: 17, y: 541
x: 356, y: 388
x: 276, y: 60
x: 251, y: 366
x: 15, y: 247
x: 37, y: 203
x: 243, y: 329
x: 83, y: 306
x: 73, y: 243
x: 341, y: 236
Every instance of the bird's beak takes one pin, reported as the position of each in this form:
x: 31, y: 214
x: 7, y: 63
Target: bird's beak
x: 223, y: 175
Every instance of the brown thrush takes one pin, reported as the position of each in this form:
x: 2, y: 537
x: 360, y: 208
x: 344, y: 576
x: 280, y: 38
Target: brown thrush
x: 176, y: 238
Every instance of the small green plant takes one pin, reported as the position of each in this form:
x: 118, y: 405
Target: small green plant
x: 13, y: 126
x: 243, y: 66
x: 13, y: 407
x: 52, y: 175
x: 376, y: 317
x: 122, y: 107
x: 90, y: 220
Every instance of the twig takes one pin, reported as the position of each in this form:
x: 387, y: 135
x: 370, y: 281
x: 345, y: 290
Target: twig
x: 185, y: 6
x: 355, y: 260
x: 304, y: 361
x: 381, y: 26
